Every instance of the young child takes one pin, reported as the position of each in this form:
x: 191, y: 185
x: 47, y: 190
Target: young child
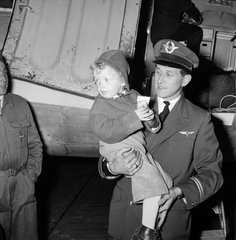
x: 117, y: 119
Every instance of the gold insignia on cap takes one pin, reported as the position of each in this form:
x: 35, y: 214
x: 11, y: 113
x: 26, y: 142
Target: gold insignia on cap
x: 170, y: 47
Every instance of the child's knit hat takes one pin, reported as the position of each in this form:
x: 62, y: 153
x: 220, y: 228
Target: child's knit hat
x: 116, y: 60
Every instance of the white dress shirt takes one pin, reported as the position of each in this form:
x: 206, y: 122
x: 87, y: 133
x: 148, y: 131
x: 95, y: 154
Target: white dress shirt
x: 161, y: 103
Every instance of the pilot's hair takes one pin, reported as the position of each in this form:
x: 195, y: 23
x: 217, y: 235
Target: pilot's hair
x: 184, y: 72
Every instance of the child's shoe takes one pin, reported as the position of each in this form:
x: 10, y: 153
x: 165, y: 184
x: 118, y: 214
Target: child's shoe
x: 145, y: 233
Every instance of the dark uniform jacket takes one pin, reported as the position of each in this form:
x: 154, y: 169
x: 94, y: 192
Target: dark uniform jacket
x: 20, y: 142
x: 20, y: 165
x: 188, y: 151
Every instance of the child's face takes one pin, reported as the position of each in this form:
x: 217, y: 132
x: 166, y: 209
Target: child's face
x: 108, y: 82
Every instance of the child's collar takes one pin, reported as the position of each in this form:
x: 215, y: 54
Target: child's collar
x: 124, y: 92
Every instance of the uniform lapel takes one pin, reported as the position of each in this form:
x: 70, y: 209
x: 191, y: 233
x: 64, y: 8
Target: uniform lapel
x: 176, y: 120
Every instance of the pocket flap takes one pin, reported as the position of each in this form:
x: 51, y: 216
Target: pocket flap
x: 19, y: 123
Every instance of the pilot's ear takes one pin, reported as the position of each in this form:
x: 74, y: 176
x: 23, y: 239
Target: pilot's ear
x: 187, y: 78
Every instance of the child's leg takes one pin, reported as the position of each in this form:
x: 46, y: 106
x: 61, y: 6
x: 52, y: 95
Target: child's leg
x: 150, y: 211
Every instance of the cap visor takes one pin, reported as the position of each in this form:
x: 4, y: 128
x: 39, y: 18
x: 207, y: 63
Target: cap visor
x: 170, y: 64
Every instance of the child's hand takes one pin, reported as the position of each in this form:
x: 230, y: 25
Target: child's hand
x: 145, y: 114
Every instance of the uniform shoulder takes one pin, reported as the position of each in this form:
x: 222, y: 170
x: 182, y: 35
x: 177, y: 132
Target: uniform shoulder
x: 17, y: 100
x: 16, y: 97
x: 196, y: 109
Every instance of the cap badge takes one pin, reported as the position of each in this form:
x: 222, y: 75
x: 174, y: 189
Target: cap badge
x: 170, y: 47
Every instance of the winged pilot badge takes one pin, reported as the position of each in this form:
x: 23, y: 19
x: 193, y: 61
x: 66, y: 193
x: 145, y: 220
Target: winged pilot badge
x: 187, y: 133
x: 170, y: 47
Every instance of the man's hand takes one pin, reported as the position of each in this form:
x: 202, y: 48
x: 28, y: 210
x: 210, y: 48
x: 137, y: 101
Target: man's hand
x: 127, y: 162
x: 166, y: 202
x: 199, y: 22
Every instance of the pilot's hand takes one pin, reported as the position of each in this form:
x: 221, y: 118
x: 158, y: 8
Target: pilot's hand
x: 166, y: 202
x: 127, y: 162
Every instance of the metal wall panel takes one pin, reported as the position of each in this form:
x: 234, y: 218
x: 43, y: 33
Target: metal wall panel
x: 53, y: 42
x: 65, y: 130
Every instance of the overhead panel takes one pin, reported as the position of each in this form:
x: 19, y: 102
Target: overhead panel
x: 53, y: 42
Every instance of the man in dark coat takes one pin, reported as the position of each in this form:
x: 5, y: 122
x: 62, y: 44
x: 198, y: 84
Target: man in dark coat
x: 186, y: 147
x: 167, y: 23
x: 20, y: 164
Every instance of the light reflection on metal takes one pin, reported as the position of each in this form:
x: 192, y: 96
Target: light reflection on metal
x: 21, y: 7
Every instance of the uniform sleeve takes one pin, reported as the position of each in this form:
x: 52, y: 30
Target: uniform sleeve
x: 207, y: 160
x: 34, y: 163
x: 103, y: 170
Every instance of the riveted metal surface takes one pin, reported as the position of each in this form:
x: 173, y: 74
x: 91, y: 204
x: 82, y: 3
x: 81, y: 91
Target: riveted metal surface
x: 54, y: 42
x: 65, y: 130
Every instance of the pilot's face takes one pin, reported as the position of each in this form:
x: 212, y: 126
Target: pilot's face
x: 169, y: 82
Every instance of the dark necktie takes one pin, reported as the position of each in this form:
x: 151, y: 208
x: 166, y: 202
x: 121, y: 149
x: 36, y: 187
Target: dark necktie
x: 165, y: 111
